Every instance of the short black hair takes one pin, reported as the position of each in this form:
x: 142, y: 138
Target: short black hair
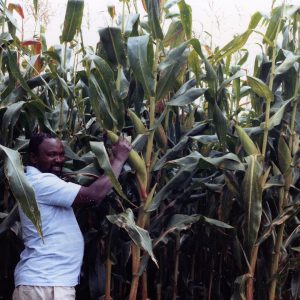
x: 37, y: 139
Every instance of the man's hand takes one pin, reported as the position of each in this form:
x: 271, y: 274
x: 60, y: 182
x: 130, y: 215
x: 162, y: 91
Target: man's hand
x: 121, y: 149
x: 99, y: 188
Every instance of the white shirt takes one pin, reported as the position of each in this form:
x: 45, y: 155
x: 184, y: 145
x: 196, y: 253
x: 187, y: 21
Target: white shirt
x: 57, y: 260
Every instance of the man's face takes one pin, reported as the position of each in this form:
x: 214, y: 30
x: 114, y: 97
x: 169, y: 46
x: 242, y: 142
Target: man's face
x: 50, y: 157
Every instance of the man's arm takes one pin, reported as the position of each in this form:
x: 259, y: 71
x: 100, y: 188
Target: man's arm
x: 96, y: 192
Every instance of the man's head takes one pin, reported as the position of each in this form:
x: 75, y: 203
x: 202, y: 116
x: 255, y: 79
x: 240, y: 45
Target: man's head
x: 46, y: 153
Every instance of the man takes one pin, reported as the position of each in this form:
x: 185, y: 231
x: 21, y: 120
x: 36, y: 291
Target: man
x: 49, y: 269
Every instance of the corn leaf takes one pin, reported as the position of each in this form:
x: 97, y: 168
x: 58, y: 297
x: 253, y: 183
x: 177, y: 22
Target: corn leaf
x: 153, y: 19
x: 103, y: 160
x: 252, y: 196
x: 220, y: 122
x: 73, y: 19
x: 174, y: 35
x: 170, y: 68
x: 138, y: 235
x: 284, y: 155
x: 100, y: 105
x: 287, y: 64
x: 20, y: 187
x: 186, y: 98
x: 138, y: 58
x: 186, y: 18
x: 10, y: 117
x: 260, y: 88
x: 246, y: 141
x: 112, y: 42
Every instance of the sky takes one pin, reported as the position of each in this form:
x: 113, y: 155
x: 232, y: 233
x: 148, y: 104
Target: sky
x: 215, y: 22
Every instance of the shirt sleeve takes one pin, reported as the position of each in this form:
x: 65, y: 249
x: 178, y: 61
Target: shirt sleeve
x: 51, y: 190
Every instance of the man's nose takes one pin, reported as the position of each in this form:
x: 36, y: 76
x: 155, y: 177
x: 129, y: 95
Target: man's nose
x: 60, y: 158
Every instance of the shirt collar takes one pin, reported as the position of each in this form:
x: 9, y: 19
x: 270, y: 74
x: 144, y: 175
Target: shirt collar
x: 32, y: 170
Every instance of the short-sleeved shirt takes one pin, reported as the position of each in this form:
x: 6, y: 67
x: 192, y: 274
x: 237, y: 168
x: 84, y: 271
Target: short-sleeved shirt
x: 57, y: 260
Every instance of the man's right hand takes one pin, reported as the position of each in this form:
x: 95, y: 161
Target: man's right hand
x: 121, y: 149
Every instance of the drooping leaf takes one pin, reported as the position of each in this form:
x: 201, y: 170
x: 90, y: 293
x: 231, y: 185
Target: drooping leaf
x: 21, y: 189
x: 16, y: 73
x: 260, y: 88
x: 174, y: 35
x: 239, y: 41
x: 220, y: 122
x: 287, y: 64
x: 138, y: 235
x: 10, y: 117
x: 182, y: 176
x: 277, y: 117
x: 252, y: 197
x: 186, y: 18
x: 73, y: 19
x: 186, y: 98
x: 103, y: 160
x: 170, y: 68
x: 211, y: 75
x: 284, y: 155
x: 112, y: 42
x: 246, y: 141
x: 276, y: 20
x: 130, y: 23
x: 137, y: 55
x: 9, y: 220
x: 100, y: 105
x: 154, y: 18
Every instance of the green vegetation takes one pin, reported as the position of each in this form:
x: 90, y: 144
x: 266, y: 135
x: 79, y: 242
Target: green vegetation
x: 208, y: 205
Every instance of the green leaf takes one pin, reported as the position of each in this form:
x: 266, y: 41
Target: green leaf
x: 104, y: 88
x: 174, y: 35
x: 177, y: 180
x: 228, y: 161
x: 287, y: 64
x: 238, y: 74
x: 100, y: 105
x: 246, y: 141
x: 103, y: 160
x: 233, y: 46
x: 274, y: 22
x: 206, y: 139
x: 20, y: 187
x: 131, y: 21
x: 284, y: 155
x: 112, y: 42
x: 186, y: 98
x: 153, y: 19
x: 35, y: 5
x: 73, y: 19
x: 139, y: 235
x: 260, y: 88
x: 10, y: 219
x: 170, y: 68
x: 256, y: 17
x: 186, y: 18
x: 138, y: 58
x: 277, y: 117
x: 220, y: 123
x: 11, y: 117
x: 211, y: 75
x: 194, y: 65
x: 16, y: 73
x: 252, y: 196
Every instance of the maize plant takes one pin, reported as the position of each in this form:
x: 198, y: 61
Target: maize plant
x: 207, y: 206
